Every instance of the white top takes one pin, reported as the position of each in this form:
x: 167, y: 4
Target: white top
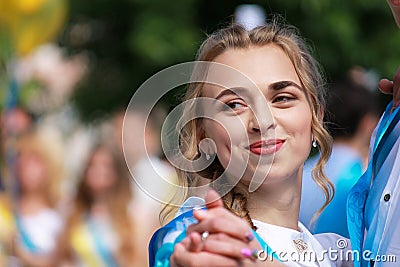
x: 154, y: 183
x: 42, y: 229
x: 105, y: 231
x: 281, y: 241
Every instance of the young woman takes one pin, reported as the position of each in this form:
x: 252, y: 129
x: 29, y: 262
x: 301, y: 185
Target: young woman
x: 99, y: 230
x: 267, y: 131
x: 28, y: 214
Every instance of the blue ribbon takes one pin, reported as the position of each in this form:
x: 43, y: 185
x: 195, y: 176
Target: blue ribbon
x: 357, y: 199
x: 26, y: 240
x: 102, y: 251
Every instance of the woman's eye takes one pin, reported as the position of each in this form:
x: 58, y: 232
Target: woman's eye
x: 233, y: 105
x: 283, y: 98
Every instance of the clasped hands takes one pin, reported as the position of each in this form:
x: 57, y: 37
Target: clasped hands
x: 220, y: 238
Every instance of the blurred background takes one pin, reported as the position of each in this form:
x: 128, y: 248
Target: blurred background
x: 68, y: 71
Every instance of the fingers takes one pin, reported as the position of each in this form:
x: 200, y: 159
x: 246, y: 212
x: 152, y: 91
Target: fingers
x: 216, y: 220
x: 186, y: 243
x: 227, y: 246
x: 213, y: 199
x: 389, y: 87
x: 221, y: 244
x: 386, y: 86
x: 182, y: 257
x: 231, y: 242
x: 193, y: 242
x: 196, y: 242
x: 396, y: 88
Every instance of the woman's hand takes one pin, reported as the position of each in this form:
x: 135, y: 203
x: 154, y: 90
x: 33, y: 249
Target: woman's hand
x: 182, y: 257
x: 228, y: 241
x: 389, y: 87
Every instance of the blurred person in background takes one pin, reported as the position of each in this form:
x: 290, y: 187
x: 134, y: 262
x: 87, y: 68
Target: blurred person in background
x: 29, y: 220
x: 143, y: 153
x: 142, y: 145
x: 352, y: 114
x: 14, y: 122
x: 100, y: 228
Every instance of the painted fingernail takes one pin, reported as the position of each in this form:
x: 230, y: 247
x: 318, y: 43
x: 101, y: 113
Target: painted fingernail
x: 254, y: 254
x: 250, y: 254
x: 246, y: 252
x: 249, y: 237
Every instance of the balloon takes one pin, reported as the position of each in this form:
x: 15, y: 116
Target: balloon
x: 29, y: 23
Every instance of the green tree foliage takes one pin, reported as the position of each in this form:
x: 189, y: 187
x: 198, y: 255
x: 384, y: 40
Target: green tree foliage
x: 129, y: 40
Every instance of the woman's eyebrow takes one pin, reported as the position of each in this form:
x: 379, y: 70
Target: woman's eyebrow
x: 240, y: 91
x: 232, y: 91
x: 283, y: 84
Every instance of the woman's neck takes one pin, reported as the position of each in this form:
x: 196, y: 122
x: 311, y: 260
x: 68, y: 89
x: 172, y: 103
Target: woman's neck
x: 99, y: 205
x: 277, y: 203
x: 32, y: 203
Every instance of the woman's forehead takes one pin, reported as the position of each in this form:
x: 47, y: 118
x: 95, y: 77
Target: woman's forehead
x: 254, y: 67
x: 268, y: 61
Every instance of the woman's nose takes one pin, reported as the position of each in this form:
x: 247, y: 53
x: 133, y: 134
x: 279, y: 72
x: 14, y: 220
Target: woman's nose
x: 261, y: 118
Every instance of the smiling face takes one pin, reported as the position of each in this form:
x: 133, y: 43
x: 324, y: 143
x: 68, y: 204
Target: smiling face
x: 267, y: 127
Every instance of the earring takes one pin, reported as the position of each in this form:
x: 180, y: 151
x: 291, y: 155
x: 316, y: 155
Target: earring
x: 314, y: 143
x: 208, y: 156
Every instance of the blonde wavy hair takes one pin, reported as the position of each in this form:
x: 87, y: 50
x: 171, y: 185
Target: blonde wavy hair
x: 307, y: 68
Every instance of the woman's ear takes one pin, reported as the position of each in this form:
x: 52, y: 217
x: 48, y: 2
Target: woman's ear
x: 205, y: 143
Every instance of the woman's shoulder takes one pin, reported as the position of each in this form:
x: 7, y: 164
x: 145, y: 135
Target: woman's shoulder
x: 164, y: 239
x: 182, y: 219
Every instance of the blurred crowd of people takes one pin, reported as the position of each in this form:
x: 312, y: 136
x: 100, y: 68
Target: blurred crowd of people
x: 94, y: 215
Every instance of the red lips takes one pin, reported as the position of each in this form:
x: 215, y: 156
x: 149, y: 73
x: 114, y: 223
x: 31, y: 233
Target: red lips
x: 266, y: 147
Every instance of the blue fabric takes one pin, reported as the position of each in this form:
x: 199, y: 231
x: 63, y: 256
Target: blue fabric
x: 26, y: 240
x: 160, y: 250
x: 363, y: 201
x: 265, y: 247
x: 344, y: 168
x: 102, y: 251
